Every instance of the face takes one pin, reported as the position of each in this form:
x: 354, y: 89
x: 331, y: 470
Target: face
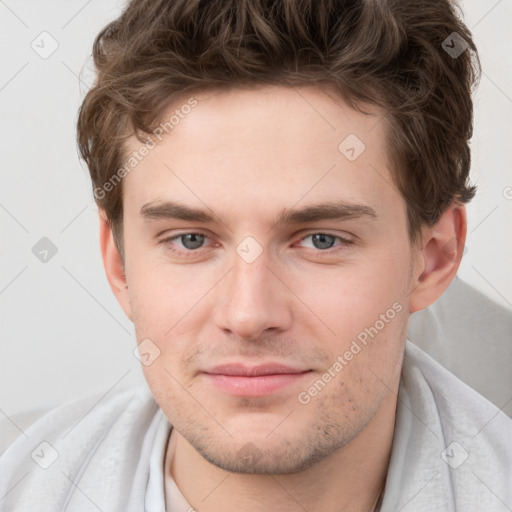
x: 268, y: 267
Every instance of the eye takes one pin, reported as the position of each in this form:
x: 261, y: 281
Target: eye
x: 324, y: 241
x: 189, y: 243
x: 186, y: 242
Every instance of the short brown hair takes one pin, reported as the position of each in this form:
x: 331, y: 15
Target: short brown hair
x: 391, y: 53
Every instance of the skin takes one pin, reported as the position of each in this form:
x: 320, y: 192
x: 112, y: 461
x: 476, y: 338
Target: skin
x: 244, y: 156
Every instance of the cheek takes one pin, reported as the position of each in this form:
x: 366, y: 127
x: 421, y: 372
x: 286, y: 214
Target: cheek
x: 170, y: 307
x: 163, y: 296
x: 345, y: 300
x: 362, y: 312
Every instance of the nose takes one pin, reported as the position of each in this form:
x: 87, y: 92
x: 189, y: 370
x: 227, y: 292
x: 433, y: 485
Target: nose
x: 252, y: 300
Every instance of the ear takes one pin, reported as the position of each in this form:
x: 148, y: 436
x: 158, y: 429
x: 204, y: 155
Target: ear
x: 113, y: 264
x: 440, y: 254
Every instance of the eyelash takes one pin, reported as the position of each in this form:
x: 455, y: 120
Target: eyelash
x: 193, y: 252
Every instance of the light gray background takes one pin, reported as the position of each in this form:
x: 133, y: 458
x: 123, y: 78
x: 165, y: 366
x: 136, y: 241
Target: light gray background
x: 63, y: 334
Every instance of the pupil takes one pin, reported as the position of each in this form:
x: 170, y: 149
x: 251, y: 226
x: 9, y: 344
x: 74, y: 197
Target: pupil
x: 321, y: 241
x: 192, y: 241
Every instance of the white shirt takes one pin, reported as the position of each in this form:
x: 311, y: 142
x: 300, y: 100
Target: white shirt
x: 429, y: 468
x: 452, y: 451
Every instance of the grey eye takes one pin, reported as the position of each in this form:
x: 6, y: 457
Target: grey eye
x: 192, y: 240
x: 321, y: 241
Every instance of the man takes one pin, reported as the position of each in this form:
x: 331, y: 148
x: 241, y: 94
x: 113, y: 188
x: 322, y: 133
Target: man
x: 280, y: 185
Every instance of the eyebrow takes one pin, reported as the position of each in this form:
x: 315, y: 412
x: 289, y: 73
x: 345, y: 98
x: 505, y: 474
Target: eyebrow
x: 313, y: 213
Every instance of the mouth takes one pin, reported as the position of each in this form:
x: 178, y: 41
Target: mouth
x: 261, y: 380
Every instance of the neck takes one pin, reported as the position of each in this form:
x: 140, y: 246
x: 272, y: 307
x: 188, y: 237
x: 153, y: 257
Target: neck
x: 350, y: 479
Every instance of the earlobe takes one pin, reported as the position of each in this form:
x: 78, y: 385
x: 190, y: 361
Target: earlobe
x: 113, y: 264
x: 441, y: 253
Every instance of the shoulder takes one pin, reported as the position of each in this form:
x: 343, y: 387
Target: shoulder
x: 448, y: 433
x: 470, y: 335
x: 460, y: 409
x: 106, y: 431
x: 87, y: 415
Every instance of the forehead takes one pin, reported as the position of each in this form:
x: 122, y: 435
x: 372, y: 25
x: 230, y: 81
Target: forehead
x: 261, y: 147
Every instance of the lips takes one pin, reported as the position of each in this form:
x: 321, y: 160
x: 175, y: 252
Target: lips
x: 253, y: 371
x: 243, y: 380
